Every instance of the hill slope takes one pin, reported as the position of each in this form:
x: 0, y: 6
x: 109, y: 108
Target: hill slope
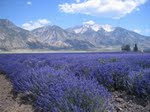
x: 13, y: 37
x: 84, y: 37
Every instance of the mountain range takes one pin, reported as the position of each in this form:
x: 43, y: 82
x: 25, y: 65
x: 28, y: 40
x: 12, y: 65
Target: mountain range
x: 89, y: 36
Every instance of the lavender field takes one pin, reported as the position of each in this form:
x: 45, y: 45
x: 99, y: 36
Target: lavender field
x: 77, y: 82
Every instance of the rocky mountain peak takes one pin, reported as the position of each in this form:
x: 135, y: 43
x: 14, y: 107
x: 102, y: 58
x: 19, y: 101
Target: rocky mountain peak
x: 89, y: 35
x: 91, y: 25
x: 6, y: 22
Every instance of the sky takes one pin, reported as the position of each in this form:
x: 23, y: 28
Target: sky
x: 30, y: 14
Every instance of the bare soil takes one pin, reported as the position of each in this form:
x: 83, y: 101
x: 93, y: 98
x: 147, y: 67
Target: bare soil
x: 7, y: 103
x: 123, y: 102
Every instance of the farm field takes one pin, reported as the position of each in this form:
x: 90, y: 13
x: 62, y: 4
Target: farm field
x: 78, y: 82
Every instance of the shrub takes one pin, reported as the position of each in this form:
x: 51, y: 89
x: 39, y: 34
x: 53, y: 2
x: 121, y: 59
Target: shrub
x: 67, y: 93
x: 113, y: 75
x: 139, y: 83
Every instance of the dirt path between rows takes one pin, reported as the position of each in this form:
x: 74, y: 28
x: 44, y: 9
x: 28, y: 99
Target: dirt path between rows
x: 123, y: 102
x: 7, y: 103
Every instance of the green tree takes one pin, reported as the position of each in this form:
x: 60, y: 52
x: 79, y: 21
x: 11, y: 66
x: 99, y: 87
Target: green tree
x: 135, y: 49
x: 126, y: 48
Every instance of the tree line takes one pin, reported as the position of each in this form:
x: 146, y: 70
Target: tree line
x: 128, y: 48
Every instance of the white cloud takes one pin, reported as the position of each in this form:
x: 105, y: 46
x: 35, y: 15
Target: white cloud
x: 145, y: 31
x: 102, y: 8
x: 90, y: 22
x: 137, y: 30
x: 78, y: 1
x: 29, y: 3
x: 36, y: 24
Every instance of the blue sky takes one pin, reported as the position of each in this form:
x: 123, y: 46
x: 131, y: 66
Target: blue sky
x: 130, y: 14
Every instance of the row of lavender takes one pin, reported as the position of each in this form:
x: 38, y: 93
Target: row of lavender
x: 77, y: 82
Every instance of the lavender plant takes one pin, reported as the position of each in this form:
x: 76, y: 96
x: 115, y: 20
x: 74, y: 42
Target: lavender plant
x: 77, y: 82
